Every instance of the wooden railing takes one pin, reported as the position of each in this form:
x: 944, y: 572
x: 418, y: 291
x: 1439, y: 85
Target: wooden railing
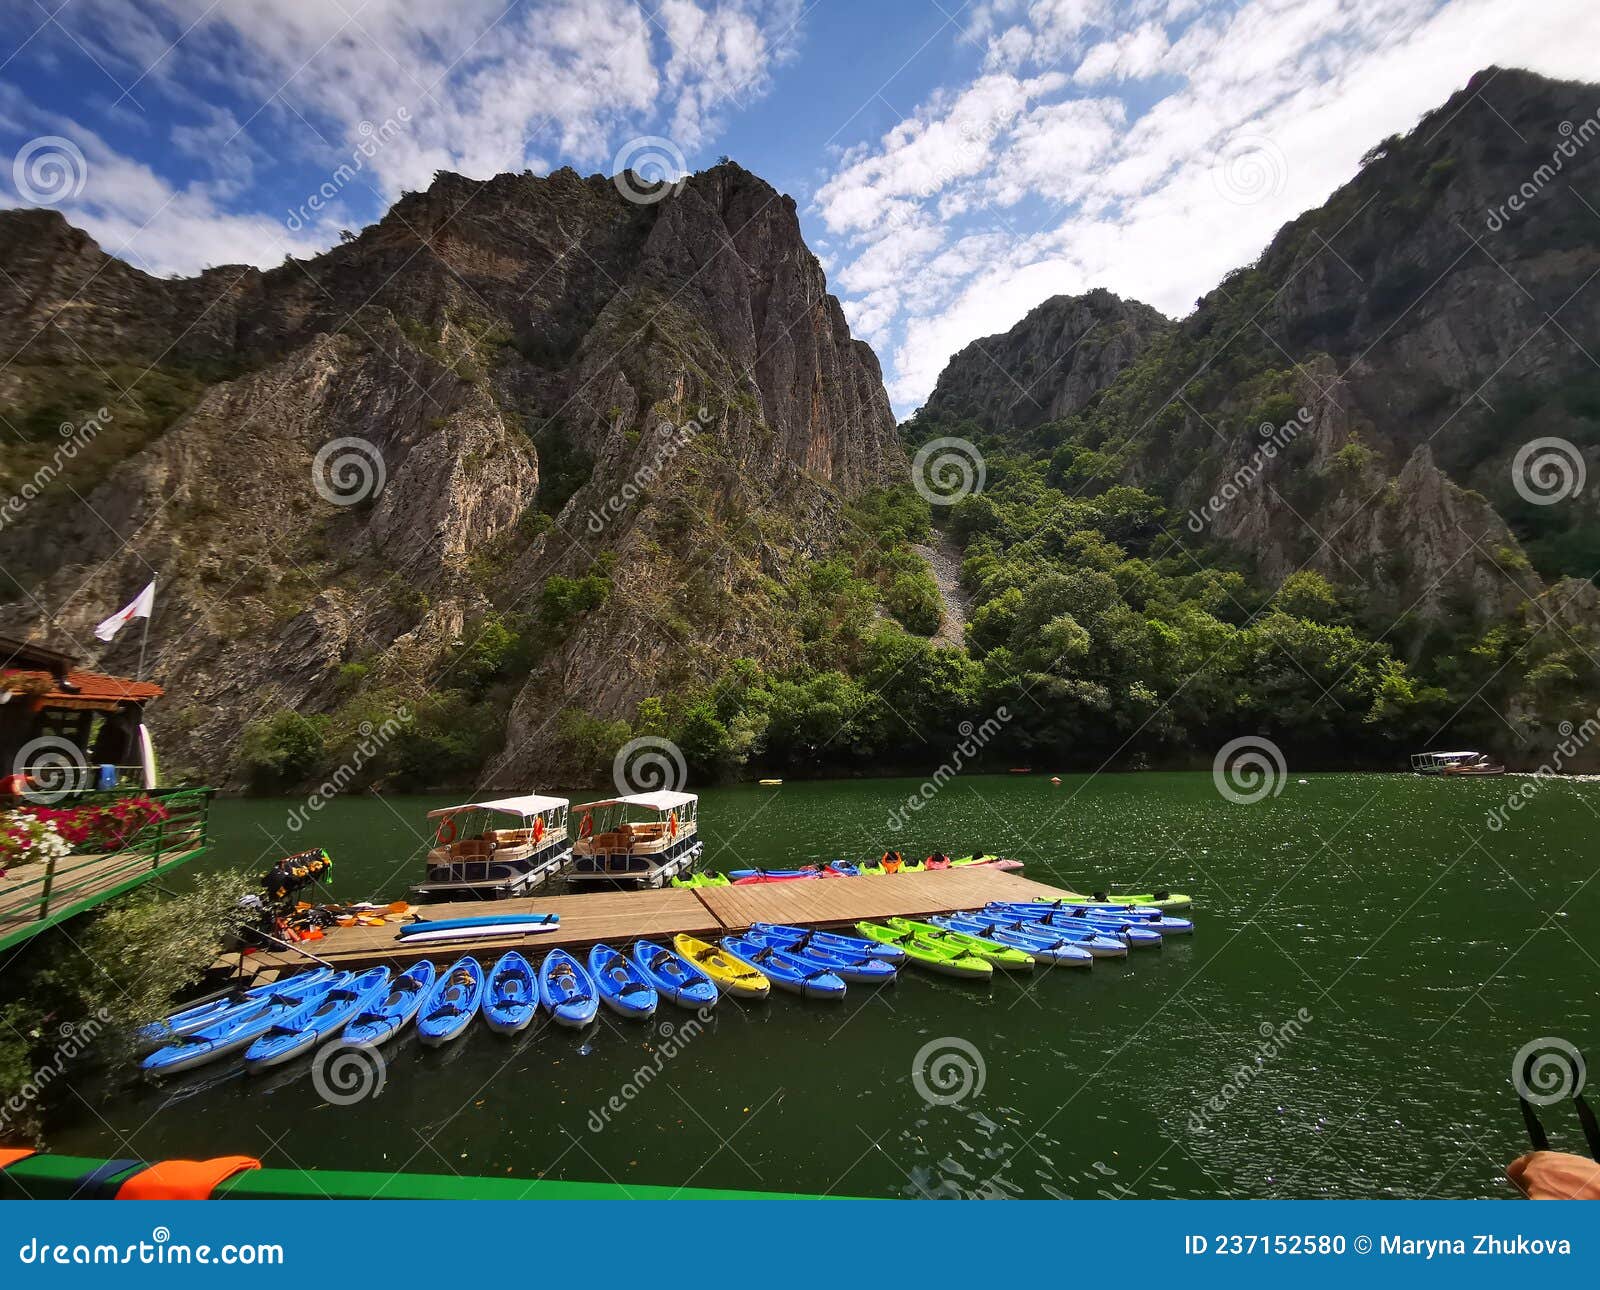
x: 36, y: 894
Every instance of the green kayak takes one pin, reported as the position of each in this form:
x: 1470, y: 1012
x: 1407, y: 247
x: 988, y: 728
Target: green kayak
x: 936, y: 956
x: 872, y: 869
x: 1005, y: 957
x: 702, y: 880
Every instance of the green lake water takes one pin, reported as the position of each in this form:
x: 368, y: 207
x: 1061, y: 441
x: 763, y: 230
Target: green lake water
x: 1425, y: 949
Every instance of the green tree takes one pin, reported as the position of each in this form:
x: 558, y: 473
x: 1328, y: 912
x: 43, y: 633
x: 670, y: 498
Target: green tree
x: 285, y: 748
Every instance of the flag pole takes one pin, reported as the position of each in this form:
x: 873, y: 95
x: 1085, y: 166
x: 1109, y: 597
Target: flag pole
x: 144, y: 639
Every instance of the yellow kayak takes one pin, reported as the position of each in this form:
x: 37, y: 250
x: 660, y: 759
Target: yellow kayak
x: 732, y: 977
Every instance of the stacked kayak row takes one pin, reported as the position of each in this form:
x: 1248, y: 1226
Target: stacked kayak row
x: 890, y: 862
x: 1016, y: 937
x: 273, y: 1024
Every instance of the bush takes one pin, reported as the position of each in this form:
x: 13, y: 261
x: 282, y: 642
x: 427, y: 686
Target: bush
x: 913, y: 598
x: 1307, y: 594
x: 282, y: 749
x: 564, y: 600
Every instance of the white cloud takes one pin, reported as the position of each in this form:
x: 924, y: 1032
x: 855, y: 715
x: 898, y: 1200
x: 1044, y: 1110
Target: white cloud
x: 136, y: 214
x: 1053, y: 29
x: 720, y: 57
x: 1054, y: 149
x: 488, y: 87
x: 952, y: 139
x: 1132, y: 55
x: 1273, y: 106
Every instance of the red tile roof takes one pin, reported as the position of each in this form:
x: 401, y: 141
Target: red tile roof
x: 95, y: 686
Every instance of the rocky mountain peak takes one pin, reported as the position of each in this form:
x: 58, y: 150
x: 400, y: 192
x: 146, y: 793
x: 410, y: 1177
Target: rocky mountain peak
x: 1049, y: 365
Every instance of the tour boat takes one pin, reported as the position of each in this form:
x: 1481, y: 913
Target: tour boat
x: 472, y: 857
x: 1455, y: 763
x: 617, y: 847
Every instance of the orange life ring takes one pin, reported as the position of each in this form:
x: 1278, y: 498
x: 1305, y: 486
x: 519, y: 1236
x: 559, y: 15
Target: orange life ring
x: 538, y: 828
x: 447, y: 831
x: 672, y: 824
x: 586, y: 826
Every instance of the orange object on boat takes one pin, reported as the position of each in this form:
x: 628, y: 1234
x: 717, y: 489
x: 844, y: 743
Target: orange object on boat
x: 184, y: 1179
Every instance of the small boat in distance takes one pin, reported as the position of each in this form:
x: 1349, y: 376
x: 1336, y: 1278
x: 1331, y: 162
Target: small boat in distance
x: 1455, y: 763
x: 615, y: 848
x: 472, y: 858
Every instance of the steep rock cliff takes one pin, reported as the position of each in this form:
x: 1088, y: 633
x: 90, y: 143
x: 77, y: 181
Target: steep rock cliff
x: 343, y: 468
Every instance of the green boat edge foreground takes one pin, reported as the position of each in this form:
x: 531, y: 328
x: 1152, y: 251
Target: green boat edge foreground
x: 48, y: 1177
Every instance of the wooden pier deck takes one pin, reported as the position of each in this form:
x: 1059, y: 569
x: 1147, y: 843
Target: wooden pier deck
x: 619, y: 918
x: 30, y: 902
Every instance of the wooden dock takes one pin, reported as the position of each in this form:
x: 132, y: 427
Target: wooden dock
x: 619, y: 918
x: 32, y: 898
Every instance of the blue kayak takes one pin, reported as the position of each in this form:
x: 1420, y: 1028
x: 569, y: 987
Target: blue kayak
x: 851, y: 968
x: 1165, y: 925
x: 235, y: 1030
x: 1111, y: 923
x: 1053, y: 948
x: 448, y: 1008
x: 1136, y: 937
x: 511, y: 995
x: 675, y: 978
x: 853, y: 946
x: 623, y: 988
x: 1101, y: 942
x: 386, y: 1015
x: 1153, y: 919
x: 187, y: 1020
x: 844, y: 867
x: 567, y: 991
x: 305, y: 1028
x: 786, y: 971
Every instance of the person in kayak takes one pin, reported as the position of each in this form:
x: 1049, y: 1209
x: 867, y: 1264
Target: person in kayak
x: 1555, y: 1175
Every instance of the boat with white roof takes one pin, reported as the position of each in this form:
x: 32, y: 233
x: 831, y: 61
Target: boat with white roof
x: 641, y: 840
x: 1455, y: 763
x: 489, y: 850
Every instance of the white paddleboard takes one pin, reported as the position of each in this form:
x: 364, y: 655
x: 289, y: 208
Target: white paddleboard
x: 475, y: 933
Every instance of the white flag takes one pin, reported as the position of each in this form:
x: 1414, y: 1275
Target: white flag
x: 141, y: 607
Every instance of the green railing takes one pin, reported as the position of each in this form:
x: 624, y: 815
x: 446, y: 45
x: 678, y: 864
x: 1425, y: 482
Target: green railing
x: 32, y: 899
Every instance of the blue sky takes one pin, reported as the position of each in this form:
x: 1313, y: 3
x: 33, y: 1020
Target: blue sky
x: 954, y: 164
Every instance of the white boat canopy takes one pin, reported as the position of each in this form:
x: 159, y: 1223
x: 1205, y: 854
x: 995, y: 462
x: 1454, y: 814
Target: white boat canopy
x: 526, y: 807
x: 662, y: 800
